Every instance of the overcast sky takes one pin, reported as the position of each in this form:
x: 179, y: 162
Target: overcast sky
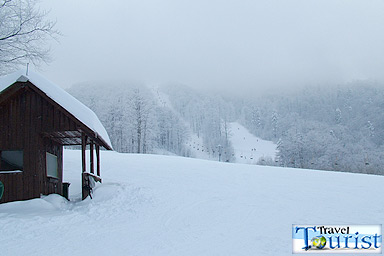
x: 227, y: 44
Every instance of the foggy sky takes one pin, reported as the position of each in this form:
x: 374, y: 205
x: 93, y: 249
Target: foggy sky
x: 230, y: 44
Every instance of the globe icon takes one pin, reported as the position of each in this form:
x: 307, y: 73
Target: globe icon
x: 319, y: 242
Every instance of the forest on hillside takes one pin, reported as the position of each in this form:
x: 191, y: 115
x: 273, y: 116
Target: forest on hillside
x: 337, y: 128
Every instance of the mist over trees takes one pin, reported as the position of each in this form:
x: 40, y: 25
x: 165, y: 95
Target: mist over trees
x: 338, y: 129
x: 132, y: 117
x: 207, y: 116
x: 138, y: 120
x: 323, y: 128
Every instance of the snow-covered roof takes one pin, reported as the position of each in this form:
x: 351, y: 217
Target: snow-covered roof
x: 61, y: 97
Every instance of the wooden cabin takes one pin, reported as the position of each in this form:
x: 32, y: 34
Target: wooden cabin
x: 38, y: 118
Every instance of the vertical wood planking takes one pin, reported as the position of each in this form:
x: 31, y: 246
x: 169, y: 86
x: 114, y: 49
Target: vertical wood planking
x: 28, y: 170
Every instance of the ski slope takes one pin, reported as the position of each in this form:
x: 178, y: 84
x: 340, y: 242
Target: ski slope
x: 194, y: 143
x: 172, y: 206
x: 247, y: 147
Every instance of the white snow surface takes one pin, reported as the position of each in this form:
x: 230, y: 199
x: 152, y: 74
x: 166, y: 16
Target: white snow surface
x: 247, y: 147
x: 60, y: 96
x: 168, y: 205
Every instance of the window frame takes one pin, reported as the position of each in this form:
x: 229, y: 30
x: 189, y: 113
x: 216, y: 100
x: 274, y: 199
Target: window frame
x: 46, y: 165
x: 14, y: 170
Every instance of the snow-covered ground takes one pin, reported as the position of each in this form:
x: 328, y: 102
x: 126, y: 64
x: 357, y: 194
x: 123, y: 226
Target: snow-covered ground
x: 167, y: 205
x: 247, y: 147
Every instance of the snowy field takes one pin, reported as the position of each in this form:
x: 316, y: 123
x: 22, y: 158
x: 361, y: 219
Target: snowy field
x: 167, y: 205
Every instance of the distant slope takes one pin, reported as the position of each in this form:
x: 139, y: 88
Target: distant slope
x: 194, y: 144
x: 172, y: 206
x: 249, y: 148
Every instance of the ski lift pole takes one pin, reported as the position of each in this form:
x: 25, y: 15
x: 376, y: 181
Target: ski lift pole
x: 219, y: 148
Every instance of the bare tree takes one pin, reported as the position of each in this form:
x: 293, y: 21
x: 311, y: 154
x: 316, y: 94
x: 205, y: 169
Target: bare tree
x: 24, y: 30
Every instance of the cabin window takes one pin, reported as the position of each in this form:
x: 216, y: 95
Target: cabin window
x: 11, y: 160
x: 52, y: 166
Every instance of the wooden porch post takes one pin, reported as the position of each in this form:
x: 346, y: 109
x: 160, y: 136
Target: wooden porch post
x: 83, y: 147
x: 85, y: 192
x: 92, y: 169
x: 98, y: 160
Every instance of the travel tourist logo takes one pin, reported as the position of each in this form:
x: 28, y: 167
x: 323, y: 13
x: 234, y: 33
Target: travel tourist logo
x: 336, y: 239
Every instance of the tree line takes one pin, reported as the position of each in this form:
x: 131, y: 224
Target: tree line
x: 328, y: 128
x: 335, y: 128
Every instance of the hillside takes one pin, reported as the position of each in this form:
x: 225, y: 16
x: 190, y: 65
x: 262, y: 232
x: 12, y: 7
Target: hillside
x: 248, y: 148
x: 331, y: 128
x: 166, y: 205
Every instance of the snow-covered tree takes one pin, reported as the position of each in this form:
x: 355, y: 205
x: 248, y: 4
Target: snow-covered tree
x: 24, y: 31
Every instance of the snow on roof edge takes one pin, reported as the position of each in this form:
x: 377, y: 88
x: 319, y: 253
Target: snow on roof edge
x: 61, y: 97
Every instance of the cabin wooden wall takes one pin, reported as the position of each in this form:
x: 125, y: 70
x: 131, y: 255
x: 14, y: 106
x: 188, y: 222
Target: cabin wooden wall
x: 24, y: 117
x: 13, y: 187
